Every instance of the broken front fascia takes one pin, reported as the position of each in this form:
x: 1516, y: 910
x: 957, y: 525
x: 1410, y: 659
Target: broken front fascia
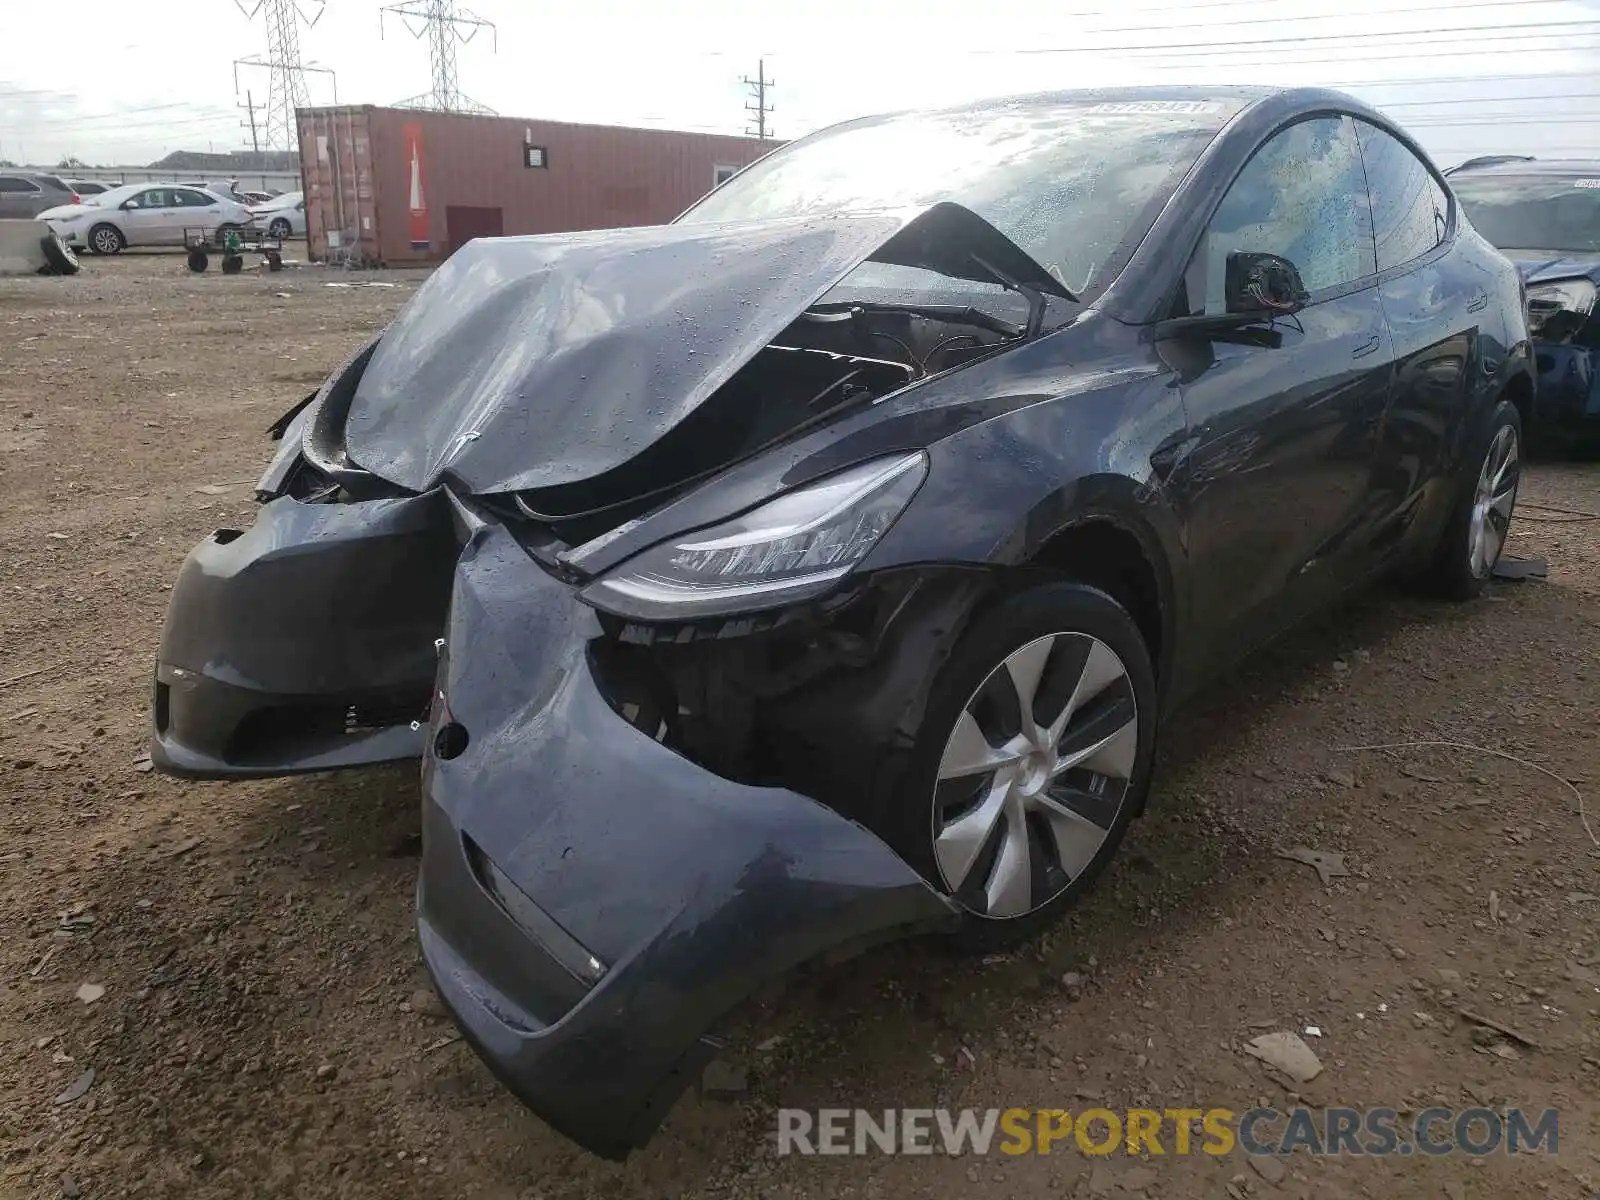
x: 649, y: 896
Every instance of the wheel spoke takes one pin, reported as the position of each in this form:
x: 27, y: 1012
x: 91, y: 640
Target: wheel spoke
x: 1502, y: 503
x: 1508, y: 458
x: 1026, y: 668
x: 1100, y: 670
x: 959, y: 843
x: 1493, y: 540
x: 1077, y: 839
x: 1096, y: 808
x: 1010, y: 888
x: 968, y: 752
x: 1112, y: 753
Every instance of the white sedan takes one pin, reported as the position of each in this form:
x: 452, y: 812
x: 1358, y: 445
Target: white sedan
x: 283, y: 216
x: 143, y: 214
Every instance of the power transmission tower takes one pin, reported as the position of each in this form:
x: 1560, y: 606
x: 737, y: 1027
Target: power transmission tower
x: 759, y: 87
x: 445, y: 26
x: 286, y: 74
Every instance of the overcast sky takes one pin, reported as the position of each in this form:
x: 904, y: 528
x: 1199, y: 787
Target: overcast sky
x: 1467, y: 77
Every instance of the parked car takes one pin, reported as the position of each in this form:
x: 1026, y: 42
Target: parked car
x: 1545, y: 214
x: 26, y: 194
x: 142, y: 214
x: 817, y: 569
x: 283, y: 216
x: 89, y: 187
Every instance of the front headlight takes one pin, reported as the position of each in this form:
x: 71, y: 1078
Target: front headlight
x: 1549, y: 300
x: 791, y: 548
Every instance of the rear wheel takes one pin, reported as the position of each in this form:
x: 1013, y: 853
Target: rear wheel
x: 280, y: 229
x: 1032, y: 759
x: 106, y: 239
x: 1486, y: 497
x: 221, y: 235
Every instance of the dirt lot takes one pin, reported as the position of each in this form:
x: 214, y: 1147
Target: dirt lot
x: 256, y: 1034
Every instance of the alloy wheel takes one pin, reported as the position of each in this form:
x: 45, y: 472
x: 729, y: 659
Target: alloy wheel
x: 1495, y: 497
x: 107, y: 241
x: 1034, y: 775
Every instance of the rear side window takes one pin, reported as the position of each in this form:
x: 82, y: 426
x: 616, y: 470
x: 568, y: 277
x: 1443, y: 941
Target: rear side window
x: 1303, y: 197
x: 193, y: 199
x: 12, y: 184
x: 1410, y: 209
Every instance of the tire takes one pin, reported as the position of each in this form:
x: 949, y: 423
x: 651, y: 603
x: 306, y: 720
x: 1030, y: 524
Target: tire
x: 59, y: 255
x: 1486, y: 496
x: 106, y: 239
x: 198, y: 259
x: 280, y: 229
x: 965, y: 831
x: 232, y: 264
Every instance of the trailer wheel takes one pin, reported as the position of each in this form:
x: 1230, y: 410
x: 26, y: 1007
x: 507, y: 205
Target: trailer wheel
x: 199, y: 260
x: 232, y: 264
x: 274, y: 261
x: 59, y: 257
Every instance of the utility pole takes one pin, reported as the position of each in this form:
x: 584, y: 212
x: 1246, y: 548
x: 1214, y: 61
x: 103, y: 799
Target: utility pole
x: 759, y: 86
x: 445, y: 26
x: 250, y: 107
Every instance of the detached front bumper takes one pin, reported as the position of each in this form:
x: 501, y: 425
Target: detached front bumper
x: 591, y: 903
x: 305, y: 642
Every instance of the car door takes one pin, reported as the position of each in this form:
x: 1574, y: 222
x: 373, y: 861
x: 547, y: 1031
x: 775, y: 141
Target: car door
x: 200, y: 211
x: 1434, y: 299
x: 144, y: 217
x: 1282, y: 420
x: 18, y: 197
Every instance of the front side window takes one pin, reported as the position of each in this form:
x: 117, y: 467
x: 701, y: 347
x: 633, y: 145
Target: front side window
x: 155, y: 198
x: 1410, y: 211
x: 1302, y: 197
x: 1548, y: 214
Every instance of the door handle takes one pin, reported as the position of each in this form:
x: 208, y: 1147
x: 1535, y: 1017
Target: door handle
x: 1367, y: 347
x: 1479, y: 301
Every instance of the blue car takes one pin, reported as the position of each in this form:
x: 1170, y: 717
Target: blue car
x: 1545, y: 215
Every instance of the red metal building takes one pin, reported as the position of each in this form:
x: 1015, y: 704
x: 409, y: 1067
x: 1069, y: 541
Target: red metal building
x: 392, y: 186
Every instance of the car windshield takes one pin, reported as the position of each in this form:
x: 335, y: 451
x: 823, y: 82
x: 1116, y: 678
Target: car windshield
x: 1075, y: 182
x: 1533, y: 212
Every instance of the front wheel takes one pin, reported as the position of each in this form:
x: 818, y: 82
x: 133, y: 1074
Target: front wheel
x: 106, y: 239
x: 1032, y: 759
x: 1486, y: 497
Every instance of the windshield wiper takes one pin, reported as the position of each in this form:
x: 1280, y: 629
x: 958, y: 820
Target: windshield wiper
x: 963, y: 314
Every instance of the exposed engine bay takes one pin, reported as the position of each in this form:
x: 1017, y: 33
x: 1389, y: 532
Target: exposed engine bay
x: 832, y: 358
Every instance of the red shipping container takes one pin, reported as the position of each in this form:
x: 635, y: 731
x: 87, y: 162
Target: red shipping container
x: 395, y: 186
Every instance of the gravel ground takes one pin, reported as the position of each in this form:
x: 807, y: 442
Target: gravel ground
x: 253, y: 1018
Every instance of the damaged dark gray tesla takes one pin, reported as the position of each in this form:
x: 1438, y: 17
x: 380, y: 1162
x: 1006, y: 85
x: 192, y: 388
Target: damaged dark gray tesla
x: 815, y: 570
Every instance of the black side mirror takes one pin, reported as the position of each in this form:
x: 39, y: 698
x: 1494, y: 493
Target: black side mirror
x: 1263, y: 283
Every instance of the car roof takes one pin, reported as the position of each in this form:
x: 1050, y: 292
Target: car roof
x: 49, y: 177
x: 1588, y: 167
x: 1237, y: 97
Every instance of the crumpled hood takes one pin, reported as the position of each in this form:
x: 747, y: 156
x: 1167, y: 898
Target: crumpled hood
x: 532, y: 362
x: 1571, y: 266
